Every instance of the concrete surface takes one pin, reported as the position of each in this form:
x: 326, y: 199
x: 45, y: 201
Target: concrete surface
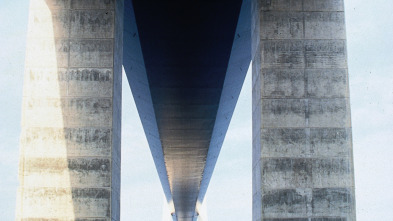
x: 70, y: 141
x: 302, y: 143
x: 71, y: 118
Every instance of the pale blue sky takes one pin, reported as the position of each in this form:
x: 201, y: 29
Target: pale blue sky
x: 370, y: 52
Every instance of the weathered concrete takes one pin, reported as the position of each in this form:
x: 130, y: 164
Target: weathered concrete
x: 302, y: 143
x: 70, y: 142
x: 186, y: 66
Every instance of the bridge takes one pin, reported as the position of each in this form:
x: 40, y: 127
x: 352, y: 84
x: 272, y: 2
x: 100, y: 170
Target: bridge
x: 186, y: 62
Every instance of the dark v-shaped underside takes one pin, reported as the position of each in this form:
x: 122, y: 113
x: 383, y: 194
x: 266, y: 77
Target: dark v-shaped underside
x: 177, y: 55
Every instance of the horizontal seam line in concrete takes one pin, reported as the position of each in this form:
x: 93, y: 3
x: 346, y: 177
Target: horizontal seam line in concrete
x: 64, y: 187
x: 70, y: 126
x: 71, y: 157
x: 285, y: 68
x: 69, y: 96
x: 308, y: 157
x: 300, y: 39
x: 322, y: 187
x: 303, y: 68
x: 302, y: 217
x: 68, y: 67
x: 87, y: 9
x: 264, y: 10
x: 278, y: 127
x: 303, y: 98
x: 301, y: 11
x: 82, y: 127
x: 71, y: 38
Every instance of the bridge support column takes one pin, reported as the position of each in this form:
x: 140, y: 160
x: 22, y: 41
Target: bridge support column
x: 70, y: 141
x: 302, y: 143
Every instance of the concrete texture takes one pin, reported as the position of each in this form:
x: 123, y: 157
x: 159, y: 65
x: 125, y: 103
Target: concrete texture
x: 302, y: 143
x: 70, y: 142
x: 186, y: 94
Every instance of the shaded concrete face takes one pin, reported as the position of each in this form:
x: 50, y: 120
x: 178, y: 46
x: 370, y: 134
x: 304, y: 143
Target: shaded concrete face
x: 70, y: 141
x: 302, y: 143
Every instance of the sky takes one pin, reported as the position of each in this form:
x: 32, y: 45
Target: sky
x: 370, y: 60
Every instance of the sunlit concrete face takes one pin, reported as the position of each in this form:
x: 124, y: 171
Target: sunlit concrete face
x: 70, y: 141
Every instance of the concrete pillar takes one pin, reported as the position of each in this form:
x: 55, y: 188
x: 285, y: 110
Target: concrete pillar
x: 70, y: 142
x: 302, y: 143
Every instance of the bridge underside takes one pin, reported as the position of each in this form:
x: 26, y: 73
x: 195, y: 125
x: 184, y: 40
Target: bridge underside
x: 186, y: 62
x: 186, y: 49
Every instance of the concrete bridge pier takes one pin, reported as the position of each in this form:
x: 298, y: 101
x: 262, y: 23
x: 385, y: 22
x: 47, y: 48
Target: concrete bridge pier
x: 70, y: 142
x: 186, y: 86
x: 302, y: 143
